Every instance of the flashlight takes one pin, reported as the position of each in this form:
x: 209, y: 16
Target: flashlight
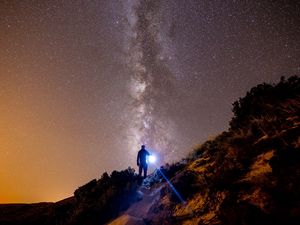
x: 152, y: 159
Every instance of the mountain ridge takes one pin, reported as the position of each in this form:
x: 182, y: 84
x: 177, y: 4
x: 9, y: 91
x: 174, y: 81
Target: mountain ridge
x: 249, y: 174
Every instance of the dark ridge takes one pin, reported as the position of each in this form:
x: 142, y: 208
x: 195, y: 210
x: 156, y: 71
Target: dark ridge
x: 247, y: 175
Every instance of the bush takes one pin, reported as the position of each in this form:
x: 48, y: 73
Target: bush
x: 255, y: 103
x: 99, y: 201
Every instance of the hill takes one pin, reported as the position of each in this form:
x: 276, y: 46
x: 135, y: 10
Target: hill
x: 247, y: 175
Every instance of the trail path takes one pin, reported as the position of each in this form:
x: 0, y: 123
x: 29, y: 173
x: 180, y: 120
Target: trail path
x: 135, y: 213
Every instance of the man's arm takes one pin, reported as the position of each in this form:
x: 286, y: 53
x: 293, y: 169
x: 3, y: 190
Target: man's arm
x: 138, y: 159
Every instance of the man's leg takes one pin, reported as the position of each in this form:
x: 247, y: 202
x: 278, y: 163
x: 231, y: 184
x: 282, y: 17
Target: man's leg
x: 145, y: 171
x: 140, y: 170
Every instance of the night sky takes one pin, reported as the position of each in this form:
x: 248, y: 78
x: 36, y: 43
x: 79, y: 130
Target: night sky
x: 84, y: 83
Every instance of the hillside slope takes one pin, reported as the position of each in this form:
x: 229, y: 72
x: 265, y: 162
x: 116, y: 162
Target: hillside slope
x: 247, y: 175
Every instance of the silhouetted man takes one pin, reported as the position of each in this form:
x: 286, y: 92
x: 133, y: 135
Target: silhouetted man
x: 142, y: 161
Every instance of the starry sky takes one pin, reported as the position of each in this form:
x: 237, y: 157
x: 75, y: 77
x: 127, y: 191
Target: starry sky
x: 84, y: 83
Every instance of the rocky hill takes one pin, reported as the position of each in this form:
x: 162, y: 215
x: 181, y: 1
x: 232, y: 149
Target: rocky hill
x: 247, y: 175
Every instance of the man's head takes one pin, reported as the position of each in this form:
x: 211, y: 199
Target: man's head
x: 143, y: 146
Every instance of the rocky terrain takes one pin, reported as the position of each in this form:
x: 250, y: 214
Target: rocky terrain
x: 247, y: 175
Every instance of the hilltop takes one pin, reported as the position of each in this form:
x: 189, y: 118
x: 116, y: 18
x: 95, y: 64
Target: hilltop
x: 247, y: 175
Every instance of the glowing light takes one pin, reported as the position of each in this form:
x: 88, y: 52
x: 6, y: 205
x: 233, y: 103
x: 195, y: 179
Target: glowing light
x: 172, y: 187
x: 152, y: 159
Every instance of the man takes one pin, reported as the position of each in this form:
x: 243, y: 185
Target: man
x: 142, y: 161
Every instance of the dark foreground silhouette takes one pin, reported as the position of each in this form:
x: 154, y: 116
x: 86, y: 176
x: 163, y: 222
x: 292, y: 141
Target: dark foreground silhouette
x: 141, y: 161
x: 247, y: 175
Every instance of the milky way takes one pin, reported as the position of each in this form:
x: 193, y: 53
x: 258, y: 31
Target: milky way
x: 151, y: 82
x: 84, y: 83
